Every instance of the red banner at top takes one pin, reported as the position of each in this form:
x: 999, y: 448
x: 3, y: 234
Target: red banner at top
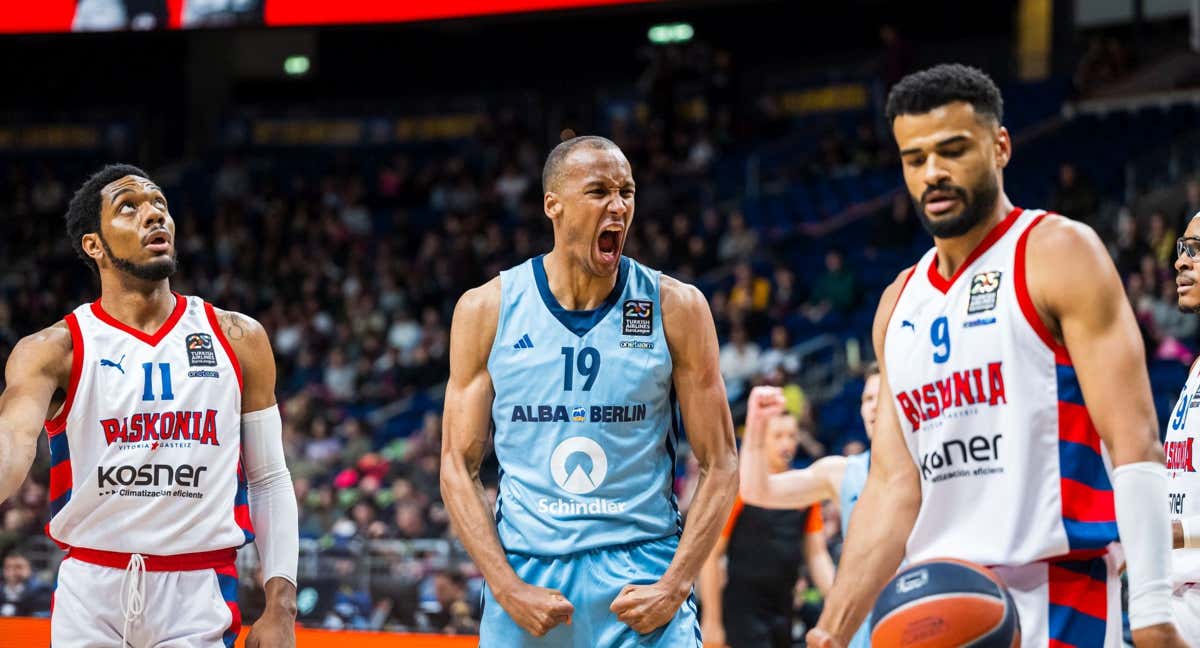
x: 25, y: 16
x: 326, y: 12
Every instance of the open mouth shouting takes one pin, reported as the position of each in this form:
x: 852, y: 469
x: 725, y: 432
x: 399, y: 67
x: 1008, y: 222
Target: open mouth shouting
x: 610, y: 242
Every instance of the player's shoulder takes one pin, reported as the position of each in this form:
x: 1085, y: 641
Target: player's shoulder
x: 1059, y: 235
x: 480, y: 303
x: 887, y: 301
x: 49, y: 350
x: 239, y: 328
x: 679, y: 296
x: 1062, y: 254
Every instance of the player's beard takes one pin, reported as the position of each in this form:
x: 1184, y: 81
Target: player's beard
x: 155, y: 270
x: 977, y: 206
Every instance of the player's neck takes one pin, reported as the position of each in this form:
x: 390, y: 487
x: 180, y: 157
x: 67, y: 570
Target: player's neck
x: 952, y: 253
x: 138, y: 304
x: 572, y: 286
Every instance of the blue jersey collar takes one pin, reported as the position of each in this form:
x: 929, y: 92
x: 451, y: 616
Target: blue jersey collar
x: 579, y: 322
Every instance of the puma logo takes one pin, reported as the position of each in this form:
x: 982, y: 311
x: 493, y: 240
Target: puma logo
x: 116, y: 365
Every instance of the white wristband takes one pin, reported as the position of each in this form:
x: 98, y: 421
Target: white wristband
x: 1146, y: 538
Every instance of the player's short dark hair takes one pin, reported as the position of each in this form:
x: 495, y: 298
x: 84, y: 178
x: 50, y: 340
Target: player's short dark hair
x: 83, y: 212
x: 553, y: 167
x: 872, y: 369
x: 921, y: 92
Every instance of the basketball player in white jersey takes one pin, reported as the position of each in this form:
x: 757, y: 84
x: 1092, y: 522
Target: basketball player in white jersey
x: 1015, y: 425
x: 165, y: 443
x: 1183, y: 499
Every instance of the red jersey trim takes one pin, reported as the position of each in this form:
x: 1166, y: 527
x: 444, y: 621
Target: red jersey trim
x: 942, y: 284
x: 216, y: 327
x: 151, y: 339
x: 179, y: 562
x: 57, y: 424
x: 1061, y: 356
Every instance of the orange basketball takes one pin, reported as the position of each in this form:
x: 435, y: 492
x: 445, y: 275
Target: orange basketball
x: 945, y: 603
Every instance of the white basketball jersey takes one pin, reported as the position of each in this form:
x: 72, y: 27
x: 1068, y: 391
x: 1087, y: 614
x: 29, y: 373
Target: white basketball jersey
x: 1183, y: 495
x: 1012, y: 470
x: 145, y: 453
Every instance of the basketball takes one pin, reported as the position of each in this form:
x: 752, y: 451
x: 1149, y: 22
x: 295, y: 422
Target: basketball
x: 945, y: 603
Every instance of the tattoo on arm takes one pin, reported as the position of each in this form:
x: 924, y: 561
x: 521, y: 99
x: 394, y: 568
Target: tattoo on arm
x: 235, y: 328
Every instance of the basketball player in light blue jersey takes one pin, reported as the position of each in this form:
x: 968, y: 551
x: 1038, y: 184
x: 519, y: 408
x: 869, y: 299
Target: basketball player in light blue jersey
x: 584, y: 360
x: 830, y: 478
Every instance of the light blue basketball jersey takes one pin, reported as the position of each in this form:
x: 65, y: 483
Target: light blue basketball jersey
x: 585, y: 419
x: 853, y: 482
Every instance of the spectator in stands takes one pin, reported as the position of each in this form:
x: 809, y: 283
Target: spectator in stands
x: 351, y: 603
x: 867, y: 151
x: 897, y: 56
x: 449, y: 612
x: 1191, y: 205
x: 22, y: 594
x: 834, y: 291
x: 780, y: 356
x: 1074, y: 196
x: 1175, y: 332
x: 1127, y: 247
x: 1160, y: 240
x: 893, y: 227
x: 739, y: 362
x: 750, y: 296
x: 739, y: 241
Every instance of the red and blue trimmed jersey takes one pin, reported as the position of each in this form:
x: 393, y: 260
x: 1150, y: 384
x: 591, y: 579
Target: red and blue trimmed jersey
x: 146, y: 452
x: 1012, y: 469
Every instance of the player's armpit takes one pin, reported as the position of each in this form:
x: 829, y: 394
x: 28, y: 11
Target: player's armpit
x: 1081, y: 302
x: 886, y: 511
x: 38, y: 366
x: 696, y: 373
x: 252, y: 346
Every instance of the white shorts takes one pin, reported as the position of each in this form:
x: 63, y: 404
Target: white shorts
x: 181, y: 609
x: 1185, y: 603
x: 1067, y: 602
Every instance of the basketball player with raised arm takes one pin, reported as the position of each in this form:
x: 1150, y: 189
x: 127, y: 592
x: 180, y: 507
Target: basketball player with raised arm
x: 584, y: 360
x: 1015, y: 425
x: 834, y: 477
x: 750, y: 601
x: 166, y: 446
x: 1183, y: 499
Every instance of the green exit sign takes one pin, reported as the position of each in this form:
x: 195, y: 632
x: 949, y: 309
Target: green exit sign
x: 670, y: 33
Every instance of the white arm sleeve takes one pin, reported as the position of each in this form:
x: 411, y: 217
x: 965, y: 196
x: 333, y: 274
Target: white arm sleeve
x: 272, y: 496
x: 1140, y: 492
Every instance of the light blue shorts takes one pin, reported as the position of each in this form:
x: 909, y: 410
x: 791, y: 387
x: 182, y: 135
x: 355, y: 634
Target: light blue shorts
x: 591, y: 581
